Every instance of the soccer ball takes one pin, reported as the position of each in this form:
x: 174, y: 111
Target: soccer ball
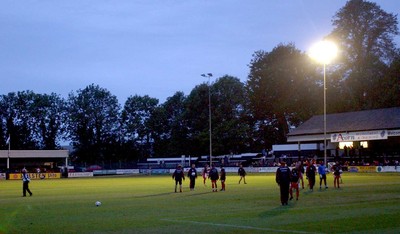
x: 98, y: 203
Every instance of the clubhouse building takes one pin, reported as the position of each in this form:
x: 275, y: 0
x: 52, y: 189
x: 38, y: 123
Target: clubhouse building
x: 361, y: 136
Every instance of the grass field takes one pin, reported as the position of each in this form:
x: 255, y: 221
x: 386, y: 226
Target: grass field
x: 366, y: 203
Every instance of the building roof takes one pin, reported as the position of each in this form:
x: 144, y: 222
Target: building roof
x: 34, y: 154
x: 367, y: 120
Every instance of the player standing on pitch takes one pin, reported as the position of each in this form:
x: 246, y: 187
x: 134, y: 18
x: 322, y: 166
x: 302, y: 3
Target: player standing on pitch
x: 300, y: 168
x: 310, y: 173
x: 283, y: 180
x: 322, y: 174
x: 204, y: 173
x: 25, y: 183
x: 178, y: 176
x: 242, y: 174
x: 294, y: 183
x: 192, y: 174
x: 222, y: 178
x: 336, y: 173
x: 213, y: 175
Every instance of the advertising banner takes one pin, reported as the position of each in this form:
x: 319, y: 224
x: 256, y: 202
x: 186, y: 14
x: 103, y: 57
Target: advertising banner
x: 127, y: 171
x: 36, y: 176
x: 362, y: 169
x: 80, y: 174
x: 395, y: 132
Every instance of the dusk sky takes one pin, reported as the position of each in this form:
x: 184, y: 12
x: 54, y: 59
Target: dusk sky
x: 149, y: 47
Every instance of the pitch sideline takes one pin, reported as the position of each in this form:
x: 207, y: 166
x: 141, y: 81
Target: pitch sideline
x: 239, y: 226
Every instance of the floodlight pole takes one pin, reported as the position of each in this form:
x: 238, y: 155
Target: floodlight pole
x: 324, y: 52
x: 325, y: 146
x: 209, y: 75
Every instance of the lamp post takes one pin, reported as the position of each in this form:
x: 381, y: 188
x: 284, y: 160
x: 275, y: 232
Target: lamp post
x: 324, y: 52
x: 209, y: 75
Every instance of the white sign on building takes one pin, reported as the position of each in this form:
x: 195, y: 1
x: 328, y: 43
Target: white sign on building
x: 359, y: 136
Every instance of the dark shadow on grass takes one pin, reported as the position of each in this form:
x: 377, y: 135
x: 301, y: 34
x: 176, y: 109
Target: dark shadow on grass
x: 198, y: 194
x: 154, y: 195
x: 323, y: 189
x: 309, y: 192
x: 275, y: 211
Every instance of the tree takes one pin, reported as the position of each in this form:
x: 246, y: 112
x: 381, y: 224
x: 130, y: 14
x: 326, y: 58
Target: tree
x: 229, y: 129
x: 169, y: 127
x: 33, y: 121
x: 283, y: 92
x: 365, y: 34
x: 198, y: 119
x: 135, y: 122
x: 49, y: 118
x: 17, y: 122
x: 93, y: 123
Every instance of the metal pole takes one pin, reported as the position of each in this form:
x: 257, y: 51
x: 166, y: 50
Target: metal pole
x: 209, y: 75
x: 325, y: 156
x: 209, y: 117
x: 8, y: 153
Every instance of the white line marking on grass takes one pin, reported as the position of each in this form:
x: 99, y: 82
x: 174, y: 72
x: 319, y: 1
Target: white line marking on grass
x: 239, y: 226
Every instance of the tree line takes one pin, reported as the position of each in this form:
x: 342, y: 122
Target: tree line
x: 284, y: 88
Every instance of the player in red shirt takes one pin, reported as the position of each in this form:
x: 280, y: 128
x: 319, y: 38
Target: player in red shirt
x: 300, y: 169
x: 294, y: 183
x: 204, y: 173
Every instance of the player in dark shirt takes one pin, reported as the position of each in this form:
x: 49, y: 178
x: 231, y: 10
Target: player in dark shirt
x: 178, y: 175
x: 222, y: 178
x: 214, y: 176
x: 283, y: 180
x: 294, y: 183
x: 192, y: 174
x: 336, y: 173
x: 242, y: 174
x: 310, y: 173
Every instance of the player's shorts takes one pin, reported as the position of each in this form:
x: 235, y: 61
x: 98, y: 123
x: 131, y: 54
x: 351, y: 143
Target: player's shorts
x: 294, y: 185
x: 178, y: 181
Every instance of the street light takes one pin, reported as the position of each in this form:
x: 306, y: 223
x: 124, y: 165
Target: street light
x: 324, y: 52
x: 209, y: 75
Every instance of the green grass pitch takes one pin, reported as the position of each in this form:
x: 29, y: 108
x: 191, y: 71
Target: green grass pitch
x: 366, y: 203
